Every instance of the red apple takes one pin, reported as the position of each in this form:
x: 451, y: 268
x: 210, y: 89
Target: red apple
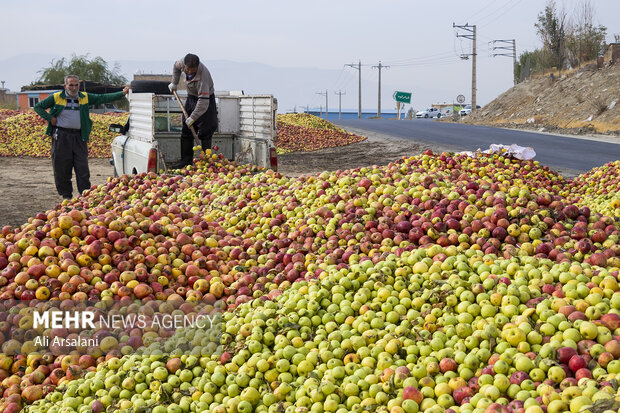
x: 411, y: 393
x: 447, y: 364
x: 564, y: 354
x: 461, y: 393
x: 576, y: 362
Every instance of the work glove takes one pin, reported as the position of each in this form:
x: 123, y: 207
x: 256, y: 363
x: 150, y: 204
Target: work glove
x: 172, y: 87
x: 189, y: 122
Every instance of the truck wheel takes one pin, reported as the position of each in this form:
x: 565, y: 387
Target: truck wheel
x: 150, y: 86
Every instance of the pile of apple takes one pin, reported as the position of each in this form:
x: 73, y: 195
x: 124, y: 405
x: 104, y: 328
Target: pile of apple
x: 99, y: 145
x: 305, y: 133
x: 7, y: 113
x: 599, y: 189
x: 307, y: 121
x: 23, y: 134
x: 409, y: 333
x: 436, y: 283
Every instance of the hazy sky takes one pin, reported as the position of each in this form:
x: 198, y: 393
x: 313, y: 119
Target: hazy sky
x: 415, y: 38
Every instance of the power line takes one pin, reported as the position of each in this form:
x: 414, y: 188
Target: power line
x: 452, y: 59
x: 359, y: 69
x: 339, y: 79
x: 379, y: 66
x: 471, y: 29
x: 421, y: 58
x: 507, y: 48
x: 326, y: 107
x: 502, y: 11
x: 483, y: 9
x: 340, y: 93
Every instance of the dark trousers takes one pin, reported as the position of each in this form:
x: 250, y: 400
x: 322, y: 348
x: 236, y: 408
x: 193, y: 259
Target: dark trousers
x: 205, y: 126
x: 69, y: 152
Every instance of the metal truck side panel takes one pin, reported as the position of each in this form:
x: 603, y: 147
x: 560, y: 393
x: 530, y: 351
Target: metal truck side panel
x: 225, y: 143
x: 228, y: 114
x: 257, y: 116
x: 141, y: 122
x: 250, y: 150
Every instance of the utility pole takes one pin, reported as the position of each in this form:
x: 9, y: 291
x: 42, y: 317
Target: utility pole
x: 340, y: 93
x: 380, y: 66
x: 507, y: 48
x: 359, y: 104
x: 326, y: 107
x: 471, y: 29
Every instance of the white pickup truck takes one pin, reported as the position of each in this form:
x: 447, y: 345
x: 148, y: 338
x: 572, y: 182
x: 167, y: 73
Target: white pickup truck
x: 151, y: 139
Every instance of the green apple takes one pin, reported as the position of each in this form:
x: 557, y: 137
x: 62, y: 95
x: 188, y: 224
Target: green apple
x: 588, y: 330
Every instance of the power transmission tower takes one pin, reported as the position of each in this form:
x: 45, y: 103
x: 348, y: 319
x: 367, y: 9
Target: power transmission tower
x: 340, y: 93
x: 507, y: 48
x: 380, y: 66
x: 359, y: 105
x: 326, y: 107
x: 471, y: 29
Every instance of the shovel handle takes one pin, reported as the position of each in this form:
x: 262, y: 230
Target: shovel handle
x: 191, y: 128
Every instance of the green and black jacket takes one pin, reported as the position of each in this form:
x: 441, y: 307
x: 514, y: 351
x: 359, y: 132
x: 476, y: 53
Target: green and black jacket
x: 57, y: 101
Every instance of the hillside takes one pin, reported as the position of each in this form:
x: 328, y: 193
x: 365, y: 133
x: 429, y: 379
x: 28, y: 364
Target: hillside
x: 585, y: 101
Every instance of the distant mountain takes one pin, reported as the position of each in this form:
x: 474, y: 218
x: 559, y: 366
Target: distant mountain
x: 22, y: 70
x: 295, y: 88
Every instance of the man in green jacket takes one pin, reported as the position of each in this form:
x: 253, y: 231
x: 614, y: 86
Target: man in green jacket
x: 69, y: 125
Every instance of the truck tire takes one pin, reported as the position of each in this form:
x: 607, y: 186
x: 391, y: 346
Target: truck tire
x: 150, y: 86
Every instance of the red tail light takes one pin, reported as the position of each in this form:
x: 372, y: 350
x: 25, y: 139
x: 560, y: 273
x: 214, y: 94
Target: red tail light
x: 273, y: 158
x: 151, y: 166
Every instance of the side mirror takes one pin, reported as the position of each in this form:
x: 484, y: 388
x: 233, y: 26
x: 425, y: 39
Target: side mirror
x: 116, y: 128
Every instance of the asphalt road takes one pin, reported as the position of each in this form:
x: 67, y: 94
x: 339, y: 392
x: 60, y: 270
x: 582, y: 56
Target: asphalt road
x: 576, y: 154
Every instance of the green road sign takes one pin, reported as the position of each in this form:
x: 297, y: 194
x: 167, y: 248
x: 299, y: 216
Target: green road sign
x: 403, y: 97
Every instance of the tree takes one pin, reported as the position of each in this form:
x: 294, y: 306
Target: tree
x: 571, y: 41
x: 585, y: 40
x: 95, y: 70
x: 551, y: 27
x: 532, y: 62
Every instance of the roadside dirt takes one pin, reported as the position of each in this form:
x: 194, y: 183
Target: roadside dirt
x: 27, y: 184
x: 377, y: 149
x: 585, y: 101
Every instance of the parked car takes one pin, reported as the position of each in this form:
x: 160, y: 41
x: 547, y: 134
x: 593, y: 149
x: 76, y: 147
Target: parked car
x: 467, y: 110
x: 429, y: 113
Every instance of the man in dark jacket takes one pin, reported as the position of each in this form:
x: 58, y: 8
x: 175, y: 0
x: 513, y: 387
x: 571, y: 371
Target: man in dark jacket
x: 69, y: 125
x: 200, y: 104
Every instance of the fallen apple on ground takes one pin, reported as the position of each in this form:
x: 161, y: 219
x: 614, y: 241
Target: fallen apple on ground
x: 436, y: 283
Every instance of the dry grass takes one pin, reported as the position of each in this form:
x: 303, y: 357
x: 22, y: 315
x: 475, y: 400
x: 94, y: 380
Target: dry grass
x: 599, y: 106
x: 553, y: 122
x: 564, y: 104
